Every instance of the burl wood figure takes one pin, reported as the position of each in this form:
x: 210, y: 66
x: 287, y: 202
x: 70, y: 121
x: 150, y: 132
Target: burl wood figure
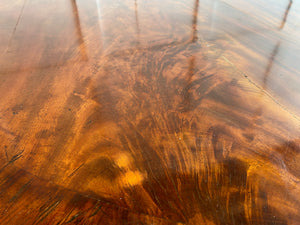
x: 149, y: 112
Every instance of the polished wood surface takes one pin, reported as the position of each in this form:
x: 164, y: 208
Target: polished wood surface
x: 150, y: 112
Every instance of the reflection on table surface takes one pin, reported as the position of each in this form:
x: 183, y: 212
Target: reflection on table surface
x: 149, y: 112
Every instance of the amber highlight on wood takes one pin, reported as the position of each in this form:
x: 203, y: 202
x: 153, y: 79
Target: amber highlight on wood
x: 149, y: 112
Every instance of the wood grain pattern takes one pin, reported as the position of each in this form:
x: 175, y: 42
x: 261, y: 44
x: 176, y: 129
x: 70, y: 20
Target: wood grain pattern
x: 149, y: 112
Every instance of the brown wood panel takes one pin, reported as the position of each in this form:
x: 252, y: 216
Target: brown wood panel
x: 149, y: 112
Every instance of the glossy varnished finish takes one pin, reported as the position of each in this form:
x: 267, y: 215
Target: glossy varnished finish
x: 149, y: 112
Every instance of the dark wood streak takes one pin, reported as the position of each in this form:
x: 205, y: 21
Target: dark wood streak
x: 175, y: 112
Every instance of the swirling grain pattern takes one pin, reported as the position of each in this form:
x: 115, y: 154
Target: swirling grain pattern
x: 149, y: 112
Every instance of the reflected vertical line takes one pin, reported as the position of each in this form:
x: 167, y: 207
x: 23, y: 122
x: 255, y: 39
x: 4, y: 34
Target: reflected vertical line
x: 191, y: 70
x: 213, y: 19
x: 99, y: 17
x: 258, y: 112
x: 194, y: 22
x: 185, y: 92
x: 286, y: 15
x: 137, y: 21
x: 78, y: 30
x: 15, y: 28
x: 270, y: 65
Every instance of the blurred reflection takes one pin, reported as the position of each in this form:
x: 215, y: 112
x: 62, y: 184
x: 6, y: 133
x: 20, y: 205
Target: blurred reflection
x: 15, y: 28
x: 99, y: 17
x: 286, y: 14
x: 269, y: 65
x: 187, y: 95
x: 195, y: 19
x: 44, y: 39
x: 78, y: 29
x: 259, y: 110
x: 137, y: 21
